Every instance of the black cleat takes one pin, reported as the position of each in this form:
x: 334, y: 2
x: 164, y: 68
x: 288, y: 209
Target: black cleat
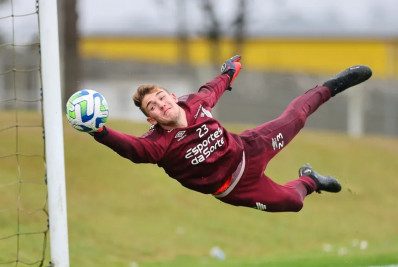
x: 347, y: 78
x: 323, y: 182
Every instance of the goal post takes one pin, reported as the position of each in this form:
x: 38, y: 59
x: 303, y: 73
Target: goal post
x: 54, y: 144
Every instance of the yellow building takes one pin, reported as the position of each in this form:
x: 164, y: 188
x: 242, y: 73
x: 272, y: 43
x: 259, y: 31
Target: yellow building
x: 318, y: 56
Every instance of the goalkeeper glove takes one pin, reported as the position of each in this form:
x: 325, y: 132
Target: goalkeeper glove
x: 101, y: 132
x: 231, y: 67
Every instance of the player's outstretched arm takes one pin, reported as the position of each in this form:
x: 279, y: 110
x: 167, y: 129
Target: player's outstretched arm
x: 231, y: 67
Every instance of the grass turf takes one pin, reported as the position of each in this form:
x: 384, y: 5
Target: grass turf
x: 124, y: 214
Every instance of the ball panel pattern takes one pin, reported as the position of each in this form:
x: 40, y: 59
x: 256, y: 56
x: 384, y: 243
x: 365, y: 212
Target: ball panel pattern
x: 87, y: 110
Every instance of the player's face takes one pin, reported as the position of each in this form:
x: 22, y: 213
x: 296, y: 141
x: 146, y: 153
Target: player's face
x: 162, y: 108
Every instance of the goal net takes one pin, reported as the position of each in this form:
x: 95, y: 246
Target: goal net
x: 25, y: 173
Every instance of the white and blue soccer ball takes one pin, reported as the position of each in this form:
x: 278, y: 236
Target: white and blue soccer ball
x: 87, y: 110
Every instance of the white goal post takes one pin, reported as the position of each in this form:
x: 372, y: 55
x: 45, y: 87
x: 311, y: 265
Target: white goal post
x: 52, y: 103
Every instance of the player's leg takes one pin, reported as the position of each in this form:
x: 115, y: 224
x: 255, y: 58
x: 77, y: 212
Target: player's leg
x: 274, y: 135
x: 290, y: 196
x: 264, y: 194
x: 277, y: 133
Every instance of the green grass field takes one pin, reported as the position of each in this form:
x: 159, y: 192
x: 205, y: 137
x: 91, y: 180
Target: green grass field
x: 123, y: 214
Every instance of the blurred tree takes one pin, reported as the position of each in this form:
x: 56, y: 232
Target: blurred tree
x: 214, y: 32
x: 240, y: 24
x: 182, y: 33
x: 69, y: 38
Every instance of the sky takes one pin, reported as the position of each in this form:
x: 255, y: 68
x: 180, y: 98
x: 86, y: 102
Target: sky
x: 369, y: 18
x: 265, y: 17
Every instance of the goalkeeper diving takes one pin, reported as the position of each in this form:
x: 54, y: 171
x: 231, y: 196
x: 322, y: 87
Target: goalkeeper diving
x: 195, y: 149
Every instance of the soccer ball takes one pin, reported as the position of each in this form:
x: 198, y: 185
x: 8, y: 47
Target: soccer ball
x: 87, y: 110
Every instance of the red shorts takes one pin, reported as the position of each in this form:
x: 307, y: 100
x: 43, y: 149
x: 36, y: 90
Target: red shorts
x: 261, y: 144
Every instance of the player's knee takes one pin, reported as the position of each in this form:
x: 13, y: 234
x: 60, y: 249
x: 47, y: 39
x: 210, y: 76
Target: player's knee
x: 302, y: 118
x: 289, y: 205
x: 299, y: 116
x: 297, y: 206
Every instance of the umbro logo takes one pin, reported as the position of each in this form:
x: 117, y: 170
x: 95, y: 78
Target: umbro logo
x: 261, y: 206
x: 180, y: 135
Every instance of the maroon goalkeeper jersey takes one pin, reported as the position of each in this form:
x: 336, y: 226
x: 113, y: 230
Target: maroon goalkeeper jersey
x: 200, y: 156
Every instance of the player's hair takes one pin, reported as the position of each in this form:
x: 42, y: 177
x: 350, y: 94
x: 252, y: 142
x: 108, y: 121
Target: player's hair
x: 142, y: 91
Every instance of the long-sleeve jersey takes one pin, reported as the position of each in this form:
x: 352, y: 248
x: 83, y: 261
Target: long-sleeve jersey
x: 200, y: 156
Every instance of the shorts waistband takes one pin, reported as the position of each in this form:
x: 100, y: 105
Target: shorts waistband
x: 232, y: 181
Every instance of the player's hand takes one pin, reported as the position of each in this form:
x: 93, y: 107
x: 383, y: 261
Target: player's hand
x: 101, y: 132
x: 231, y: 67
